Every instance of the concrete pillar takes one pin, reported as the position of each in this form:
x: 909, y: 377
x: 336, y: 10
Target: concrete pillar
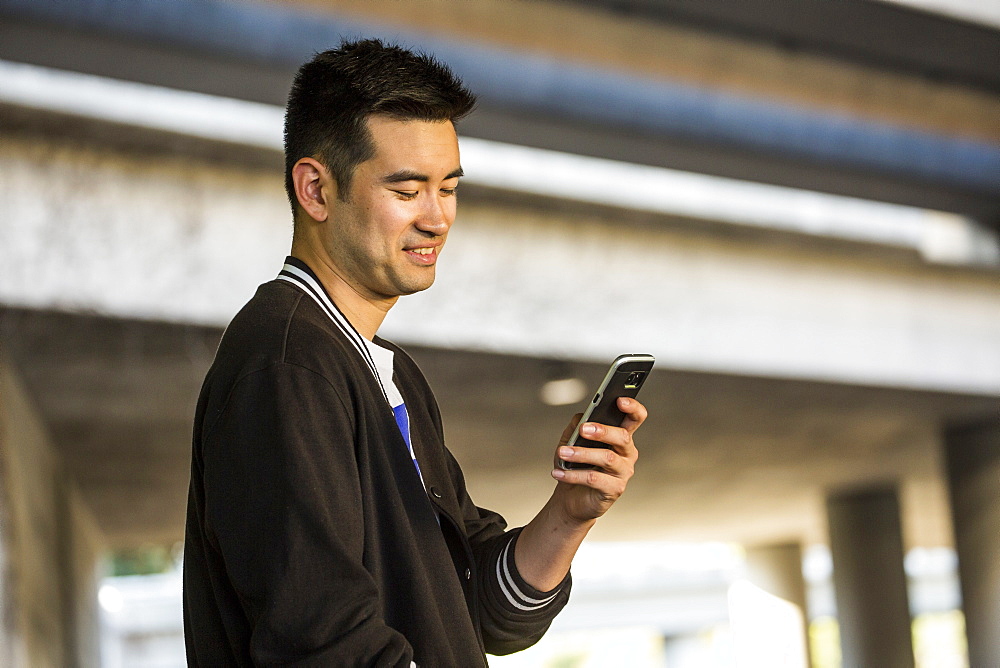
x: 866, y: 544
x: 49, y: 544
x: 972, y: 456
x: 777, y: 569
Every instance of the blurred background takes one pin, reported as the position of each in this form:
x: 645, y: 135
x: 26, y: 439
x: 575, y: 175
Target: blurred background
x: 793, y: 204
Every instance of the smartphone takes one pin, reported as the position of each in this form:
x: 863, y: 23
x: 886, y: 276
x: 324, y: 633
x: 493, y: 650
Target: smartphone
x: 624, y: 379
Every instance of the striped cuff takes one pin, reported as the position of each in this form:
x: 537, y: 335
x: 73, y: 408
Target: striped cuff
x: 519, y: 593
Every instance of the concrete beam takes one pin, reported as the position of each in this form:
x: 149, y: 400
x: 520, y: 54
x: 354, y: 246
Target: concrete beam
x: 45, y: 99
x: 183, y: 241
x: 851, y: 31
x: 141, y: 42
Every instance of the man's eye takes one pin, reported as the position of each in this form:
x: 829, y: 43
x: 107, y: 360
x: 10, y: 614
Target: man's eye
x: 406, y: 194
x: 448, y: 192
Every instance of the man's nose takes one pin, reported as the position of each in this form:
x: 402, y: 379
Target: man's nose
x: 436, y: 216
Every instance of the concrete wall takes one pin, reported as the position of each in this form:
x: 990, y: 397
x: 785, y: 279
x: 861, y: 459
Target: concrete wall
x: 48, y: 546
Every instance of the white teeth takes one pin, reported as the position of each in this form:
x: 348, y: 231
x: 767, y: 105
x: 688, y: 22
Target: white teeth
x: 423, y: 251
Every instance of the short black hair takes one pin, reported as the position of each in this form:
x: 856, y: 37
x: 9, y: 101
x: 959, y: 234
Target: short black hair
x: 333, y: 95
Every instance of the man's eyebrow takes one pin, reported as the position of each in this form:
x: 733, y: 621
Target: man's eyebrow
x: 410, y: 175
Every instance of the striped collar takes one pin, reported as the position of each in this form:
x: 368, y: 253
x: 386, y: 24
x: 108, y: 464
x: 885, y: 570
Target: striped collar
x: 299, y: 274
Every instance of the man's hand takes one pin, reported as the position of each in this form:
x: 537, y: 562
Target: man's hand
x: 547, y: 544
x: 586, y: 494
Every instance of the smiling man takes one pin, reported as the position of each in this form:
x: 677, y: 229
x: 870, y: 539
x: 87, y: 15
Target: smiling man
x: 327, y: 523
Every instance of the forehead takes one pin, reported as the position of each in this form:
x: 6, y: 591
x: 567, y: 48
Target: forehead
x: 429, y: 146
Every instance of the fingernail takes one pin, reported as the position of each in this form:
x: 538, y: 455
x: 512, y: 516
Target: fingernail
x: 558, y: 473
x: 626, y: 401
x: 565, y: 452
x: 589, y: 428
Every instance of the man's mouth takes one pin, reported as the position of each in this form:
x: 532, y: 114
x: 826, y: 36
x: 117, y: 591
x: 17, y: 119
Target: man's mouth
x: 425, y: 255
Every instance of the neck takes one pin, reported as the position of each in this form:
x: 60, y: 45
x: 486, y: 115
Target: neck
x: 364, y: 313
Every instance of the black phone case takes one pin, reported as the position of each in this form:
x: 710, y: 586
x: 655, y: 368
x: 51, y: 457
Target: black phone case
x: 606, y: 411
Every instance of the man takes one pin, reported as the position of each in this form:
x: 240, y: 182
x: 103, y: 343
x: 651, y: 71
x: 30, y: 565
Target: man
x: 327, y: 523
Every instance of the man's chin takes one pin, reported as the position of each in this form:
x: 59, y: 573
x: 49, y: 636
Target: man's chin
x: 414, y: 285
x: 414, y: 290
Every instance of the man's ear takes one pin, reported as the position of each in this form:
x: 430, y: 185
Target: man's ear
x: 314, y: 187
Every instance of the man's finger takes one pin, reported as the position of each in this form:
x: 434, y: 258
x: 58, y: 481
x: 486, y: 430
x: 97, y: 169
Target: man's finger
x: 603, y: 458
x: 611, y: 487
x: 568, y: 431
x: 635, y: 413
x: 564, y: 439
x: 618, y: 438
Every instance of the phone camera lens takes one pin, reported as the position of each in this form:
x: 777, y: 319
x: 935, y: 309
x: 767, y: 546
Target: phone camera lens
x: 635, y: 379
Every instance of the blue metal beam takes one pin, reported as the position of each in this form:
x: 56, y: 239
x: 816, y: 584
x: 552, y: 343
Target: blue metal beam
x: 546, y: 87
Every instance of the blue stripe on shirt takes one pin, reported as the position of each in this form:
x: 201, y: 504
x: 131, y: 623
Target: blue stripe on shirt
x: 403, y: 422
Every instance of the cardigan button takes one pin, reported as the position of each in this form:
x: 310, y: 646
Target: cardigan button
x: 435, y: 492
x: 468, y: 573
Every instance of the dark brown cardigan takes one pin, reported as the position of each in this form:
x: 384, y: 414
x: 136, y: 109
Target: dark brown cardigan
x: 310, y: 539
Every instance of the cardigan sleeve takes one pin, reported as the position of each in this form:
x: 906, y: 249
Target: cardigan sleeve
x: 282, y: 508
x: 513, y: 615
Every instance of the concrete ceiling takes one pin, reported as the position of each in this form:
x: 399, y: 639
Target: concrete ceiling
x: 723, y: 457
x: 925, y: 74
